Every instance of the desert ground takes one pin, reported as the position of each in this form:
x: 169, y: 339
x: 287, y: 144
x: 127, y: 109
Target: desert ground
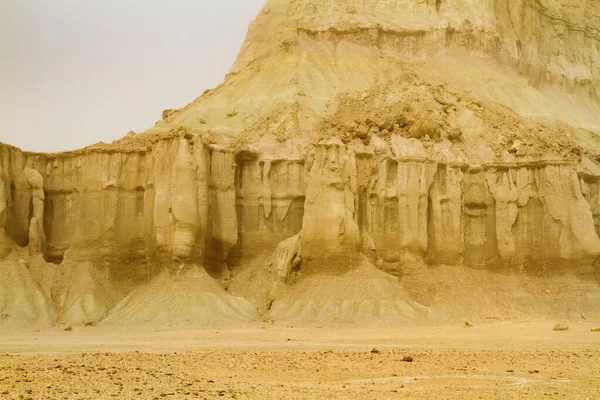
x: 491, y: 360
x: 391, y: 164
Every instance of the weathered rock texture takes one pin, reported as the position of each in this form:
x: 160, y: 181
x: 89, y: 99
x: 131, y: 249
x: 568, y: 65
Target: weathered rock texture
x: 364, y: 161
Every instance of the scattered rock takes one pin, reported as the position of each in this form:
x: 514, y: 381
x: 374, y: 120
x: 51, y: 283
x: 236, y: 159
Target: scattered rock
x: 560, y: 328
x: 387, y: 125
x: 166, y: 114
x: 375, y: 351
x: 424, y: 126
x: 69, y: 329
x: 534, y: 371
x: 248, y: 152
x: 454, y: 133
x: 232, y: 113
x: 596, y: 330
x: 375, y: 122
x: 350, y: 126
x: 362, y: 132
x: 468, y: 324
x: 407, y: 359
x: 401, y: 121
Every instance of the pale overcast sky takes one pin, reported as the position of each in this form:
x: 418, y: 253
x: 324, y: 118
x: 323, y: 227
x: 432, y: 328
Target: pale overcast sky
x: 76, y: 72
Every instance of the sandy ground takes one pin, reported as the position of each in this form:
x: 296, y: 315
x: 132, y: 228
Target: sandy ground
x: 501, y: 360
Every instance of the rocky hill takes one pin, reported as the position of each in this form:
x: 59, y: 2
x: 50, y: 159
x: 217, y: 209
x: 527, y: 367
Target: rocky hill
x: 363, y: 162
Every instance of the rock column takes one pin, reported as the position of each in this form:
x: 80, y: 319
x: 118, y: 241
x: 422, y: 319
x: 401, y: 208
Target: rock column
x: 36, y: 227
x: 329, y: 230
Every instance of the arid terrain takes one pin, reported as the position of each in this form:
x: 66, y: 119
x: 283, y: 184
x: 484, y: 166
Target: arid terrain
x: 369, y: 175
x: 498, y: 360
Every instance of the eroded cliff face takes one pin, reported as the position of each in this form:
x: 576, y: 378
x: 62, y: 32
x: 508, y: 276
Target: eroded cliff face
x: 550, y: 42
x: 337, y: 176
x: 127, y: 215
x: 180, y: 203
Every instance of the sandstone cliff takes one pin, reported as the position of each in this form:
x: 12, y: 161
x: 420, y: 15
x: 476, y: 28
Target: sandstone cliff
x: 363, y: 161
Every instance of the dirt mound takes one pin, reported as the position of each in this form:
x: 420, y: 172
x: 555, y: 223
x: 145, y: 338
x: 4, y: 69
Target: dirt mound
x: 80, y: 291
x: 254, y: 281
x: 191, y: 300
x: 363, y: 294
x: 23, y: 305
x: 483, y: 294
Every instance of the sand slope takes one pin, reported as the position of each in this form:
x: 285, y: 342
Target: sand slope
x: 361, y: 295
x: 191, y: 300
x: 23, y: 304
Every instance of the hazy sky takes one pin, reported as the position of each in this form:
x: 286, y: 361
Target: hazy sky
x: 76, y: 72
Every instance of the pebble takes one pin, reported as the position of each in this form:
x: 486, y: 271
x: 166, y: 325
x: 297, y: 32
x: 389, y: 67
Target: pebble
x: 560, y: 328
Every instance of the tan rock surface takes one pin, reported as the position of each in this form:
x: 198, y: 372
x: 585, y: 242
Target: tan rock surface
x: 415, y: 152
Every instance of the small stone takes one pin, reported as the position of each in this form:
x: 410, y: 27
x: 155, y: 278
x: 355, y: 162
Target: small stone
x: 375, y: 351
x: 468, y: 324
x: 454, y: 133
x: 69, y: 329
x: 166, y: 114
x: 387, y: 125
x: 535, y: 371
x: 350, y: 126
x: 401, y: 121
x: 560, y: 328
x: 362, y: 131
x: 375, y: 121
x: 407, y: 359
x: 424, y: 126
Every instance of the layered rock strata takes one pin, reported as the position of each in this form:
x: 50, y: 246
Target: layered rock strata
x: 363, y: 161
x: 182, y: 201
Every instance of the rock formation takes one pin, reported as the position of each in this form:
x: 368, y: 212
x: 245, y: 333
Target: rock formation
x: 363, y: 161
